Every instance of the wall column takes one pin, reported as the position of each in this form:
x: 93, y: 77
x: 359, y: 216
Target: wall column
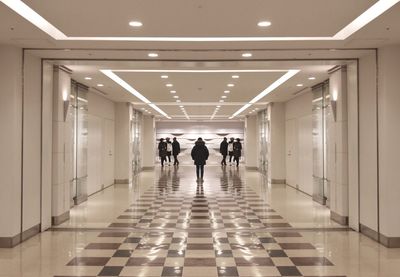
x: 10, y: 145
x: 123, y: 151
x: 251, y: 142
x: 148, y: 142
x: 278, y: 158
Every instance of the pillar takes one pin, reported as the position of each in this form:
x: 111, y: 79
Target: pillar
x: 251, y: 142
x: 148, y: 142
x: 123, y: 151
x: 277, y: 151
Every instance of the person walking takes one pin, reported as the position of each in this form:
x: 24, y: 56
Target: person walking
x: 200, y: 155
x: 162, y: 151
x: 223, y: 149
x: 169, y: 151
x: 230, y: 150
x: 237, y: 151
x: 176, y: 149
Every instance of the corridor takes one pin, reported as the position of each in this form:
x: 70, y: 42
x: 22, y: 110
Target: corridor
x: 165, y: 224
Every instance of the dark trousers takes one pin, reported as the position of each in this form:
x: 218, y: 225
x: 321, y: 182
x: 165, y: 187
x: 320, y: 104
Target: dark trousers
x: 223, y: 162
x: 163, y: 159
x: 169, y: 156
x: 236, y: 159
x: 199, y: 171
x: 176, y: 159
x: 230, y: 156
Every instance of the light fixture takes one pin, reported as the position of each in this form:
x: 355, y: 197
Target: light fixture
x: 88, y: 78
x: 100, y: 85
x: 223, y: 96
x: 230, y: 85
x: 172, y: 91
x: 235, y: 76
x: 374, y: 11
x: 221, y: 101
x: 176, y: 96
x: 264, y: 23
x: 227, y: 91
x: 247, y: 55
x: 311, y: 78
x: 152, y: 55
x: 181, y: 106
x: 135, y: 24
x: 178, y: 101
x: 299, y: 85
x: 218, y: 106
x: 289, y: 74
x: 164, y: 76
x: 334, y: 99
x: 133, y: 91
x: 169, y: 85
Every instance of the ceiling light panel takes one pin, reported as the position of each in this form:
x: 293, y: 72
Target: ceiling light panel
x: 359, y: 22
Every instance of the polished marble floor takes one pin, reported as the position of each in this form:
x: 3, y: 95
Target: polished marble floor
x: 232, y: 224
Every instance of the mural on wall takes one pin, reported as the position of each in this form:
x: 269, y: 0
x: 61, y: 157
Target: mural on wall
x: 211, y: 132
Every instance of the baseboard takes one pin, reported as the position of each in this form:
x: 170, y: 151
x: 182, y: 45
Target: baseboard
x: 57, y: 220
x: 342, y: 220
x: 121, y: 181
x: 372, y: 234
x: 278, y: 181
x: 319, y: 199
x: 252, y: 168
x: 80, y: 199
x: 389, y: 242
x: 10, y: 242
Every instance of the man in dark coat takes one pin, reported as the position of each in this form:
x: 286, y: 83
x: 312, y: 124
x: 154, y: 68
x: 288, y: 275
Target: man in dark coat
x: 223, y: 149
x: 200, y: 155
x: 176, y: 149
x: 162, y: 151
x: 237, y: 151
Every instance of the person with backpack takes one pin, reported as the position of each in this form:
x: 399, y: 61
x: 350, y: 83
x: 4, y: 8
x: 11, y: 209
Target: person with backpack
x: 200, y: 155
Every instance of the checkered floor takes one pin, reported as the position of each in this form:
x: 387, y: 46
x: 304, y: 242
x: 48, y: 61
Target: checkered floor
x: 217, y: 228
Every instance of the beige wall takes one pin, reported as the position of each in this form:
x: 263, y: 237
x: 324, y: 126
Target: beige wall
x: 251, y: 141
x: 148, y: 141
x: 278, y: 159
x: 123, y: 153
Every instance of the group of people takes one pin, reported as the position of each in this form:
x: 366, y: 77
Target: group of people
x: 232, y: 148
x: 166, y: 148
x: 200, y: 153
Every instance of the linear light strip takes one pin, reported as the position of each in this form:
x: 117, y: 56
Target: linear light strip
x: 199, y: 71
x: 133, y: 91
x: 366, y: 17
x: 289, y: 74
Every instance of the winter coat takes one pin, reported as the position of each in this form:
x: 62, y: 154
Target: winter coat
x: 237, y: 149
x: 162, y: 149
x: 176, y: 148
x: 223, y: 148
x: 200, y: 153
x: 230, y: 147
x: 169, y: 147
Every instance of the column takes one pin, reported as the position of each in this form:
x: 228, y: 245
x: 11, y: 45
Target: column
x: 251, y: 142
x: 148, y: 142
x: 278, y: 159
x: 10, y: 145
x: 123, y: 151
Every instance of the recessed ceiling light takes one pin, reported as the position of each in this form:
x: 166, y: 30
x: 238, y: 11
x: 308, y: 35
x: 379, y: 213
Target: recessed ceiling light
x: 100, y: 85
x: 247, y: 55
x: 164, y: 76
x: 221, y: 101
x: 223, y: 96
x: 135, y: 24
x: 311, y: 78
x: 169, y: 85
x: 178, y: 101
x: 88, y: 78
x: 181, y: 106
x: 230, y: 85
x: 264, y: 23
x: 299, y: 85
x: 173, y: 91
x: 176, y: 96
x: 152, y: 55
x: 235, y: 76
x: 227, y: 91
x: 218, y: 106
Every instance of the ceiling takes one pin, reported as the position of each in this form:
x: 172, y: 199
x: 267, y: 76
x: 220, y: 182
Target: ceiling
x: 78, y: 23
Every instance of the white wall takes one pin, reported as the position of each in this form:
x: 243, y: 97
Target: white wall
x: 148, y: 141
x: 389, y: 141
x: 10, y: 140
x: 278, y: 160
x: 251, y: 141
x: 298, y: 113
x: 101, y: 120
x: 123, y: 153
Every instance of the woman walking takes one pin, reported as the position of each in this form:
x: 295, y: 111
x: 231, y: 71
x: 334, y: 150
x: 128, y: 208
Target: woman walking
x: 162, y: 151
x: 200, y: 155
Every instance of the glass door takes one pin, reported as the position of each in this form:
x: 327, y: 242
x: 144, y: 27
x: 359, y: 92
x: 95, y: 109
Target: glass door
x: 319, y: 123
x: 136, y: 133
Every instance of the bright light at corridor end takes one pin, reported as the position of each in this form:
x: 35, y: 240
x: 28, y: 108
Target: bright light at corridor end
x: 133, y: 91
x: 362, y: 20
x: 289, y: 74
